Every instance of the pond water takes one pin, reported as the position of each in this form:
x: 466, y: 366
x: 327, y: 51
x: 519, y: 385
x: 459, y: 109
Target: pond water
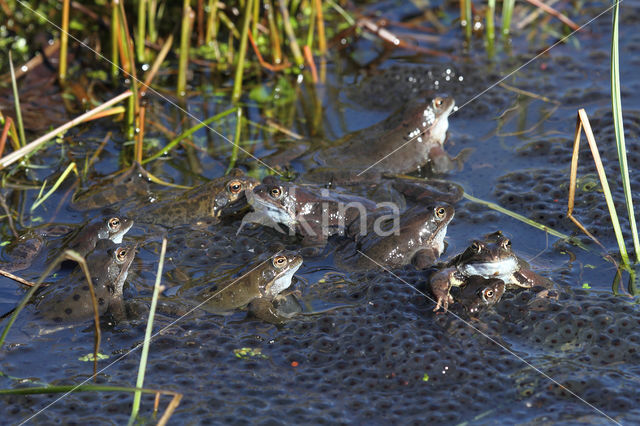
x: 383, y: 356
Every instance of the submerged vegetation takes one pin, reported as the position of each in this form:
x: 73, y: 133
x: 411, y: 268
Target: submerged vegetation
x: 269, y: 53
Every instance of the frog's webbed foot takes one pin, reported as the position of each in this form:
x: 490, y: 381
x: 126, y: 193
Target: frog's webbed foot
x: 440, y: 288
x: 265, y: 310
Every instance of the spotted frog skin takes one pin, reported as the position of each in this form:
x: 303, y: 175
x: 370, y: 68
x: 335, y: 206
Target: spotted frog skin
x: 480, y: 293
x: 309, y: 211
x: 491, y: 258
x: 419, y: 239
x: 211, y: 201
x: 403, y: 143
x: 69, y: 300
x: 258, y: 288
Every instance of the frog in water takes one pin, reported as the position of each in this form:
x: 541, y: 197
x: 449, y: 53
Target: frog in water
x: 312, y: 212
x: 132, y: 182
x: 70, y: 301
x: 110, y: 227
x: 480, y: 293
x: 213, y: 200
x: 418, y: 239
x: 22, y: 252
x: 403, y: 143
x: 258, y: 289
x: 492, y: 258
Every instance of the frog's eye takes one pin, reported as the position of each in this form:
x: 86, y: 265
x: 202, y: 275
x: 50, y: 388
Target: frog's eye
x: 114, y: 224
x: 476, y: 246
x: 488, y: 294
x: 279, y: 261
x: 121, y: 254
x: 506, y: 243
x: 275, y: 192
x: 440, y: 212
x: 438, y: 102
x: 235, y: 186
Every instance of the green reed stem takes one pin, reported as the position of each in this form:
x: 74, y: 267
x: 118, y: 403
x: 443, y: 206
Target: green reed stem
x: 244, y: 35
x: 274, y: 34
x: 288, y: 29
x: 132, y: 104
x: 211, y: 31
x: 147, y: 336
x: 140, y: 34
x: 185, y: 36
x: 64, y: 41
x: 507, y: 12
x: 115, y: 31
x: 236, y: 141
x: 187, y: 134
x: 490, y: 26
x: 152, y: 8
x: 616, y: 106
x: 466, y: 18
x: 16, y: 102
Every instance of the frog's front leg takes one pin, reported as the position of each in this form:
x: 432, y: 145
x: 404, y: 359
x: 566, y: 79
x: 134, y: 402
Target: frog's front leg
x: 425, y: 258
x: 440, y: 285
x: 264, y: 309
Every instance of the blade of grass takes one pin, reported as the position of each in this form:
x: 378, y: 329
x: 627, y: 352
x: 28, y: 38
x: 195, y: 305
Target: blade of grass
x: 28, y: 149
x: 64, y: 41
x: 71, y: 167
x: 236, y: 142
x: 187, y: 134
x: 242, y: 52
x: 16, y: 102
x: 616, y: 106
x: 185, y: 37
x: 156, y: 64
x: 147, y: 335
x: 152, y: 16
x: 582, y: 122
x: 526, y: 220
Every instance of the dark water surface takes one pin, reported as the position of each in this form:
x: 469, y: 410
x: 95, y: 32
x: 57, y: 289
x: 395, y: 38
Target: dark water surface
x: 387, y: 358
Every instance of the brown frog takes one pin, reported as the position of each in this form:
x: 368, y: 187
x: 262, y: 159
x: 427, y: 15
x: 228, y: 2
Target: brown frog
x: 419, y: 238
x: 133, y: 182
x: 213, y: 200
x: 491, y: 258
x: 257, y: 289
x: 403, y: 143
x: 312, y: 212
x: 69, y: 300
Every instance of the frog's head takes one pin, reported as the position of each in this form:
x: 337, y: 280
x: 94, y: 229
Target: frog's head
x: 114, y: 227
x: 278, y: 272
x: 429, y: 124
x: 230, y: 197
